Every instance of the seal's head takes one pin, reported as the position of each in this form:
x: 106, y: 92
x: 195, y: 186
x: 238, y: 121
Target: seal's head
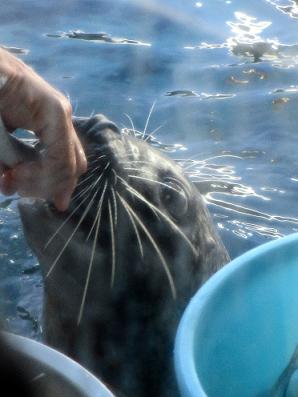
x: 121, y: 264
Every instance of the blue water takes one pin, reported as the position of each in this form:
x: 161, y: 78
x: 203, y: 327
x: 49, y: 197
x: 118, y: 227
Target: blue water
x: 223, y: 76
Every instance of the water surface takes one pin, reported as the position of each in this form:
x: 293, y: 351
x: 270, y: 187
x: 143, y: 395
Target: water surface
x: 224, y: 80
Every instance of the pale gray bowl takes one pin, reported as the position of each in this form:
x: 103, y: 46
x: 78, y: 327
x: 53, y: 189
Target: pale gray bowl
x: 52, y: 374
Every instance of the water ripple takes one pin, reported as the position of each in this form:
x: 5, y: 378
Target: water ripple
x: 247, y: 230
x: 214, y: 180
x: 202, y: 95
x: 15, y: 50
x: 288, y: 7
x: 96, y: 37
x: 246, y: 41
x: 249, y: 211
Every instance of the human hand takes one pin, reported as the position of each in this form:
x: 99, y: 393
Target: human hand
x: 27, y: 101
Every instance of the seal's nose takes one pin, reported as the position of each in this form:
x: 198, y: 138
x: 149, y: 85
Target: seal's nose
x: 101, y: 139
x: 92, y: 127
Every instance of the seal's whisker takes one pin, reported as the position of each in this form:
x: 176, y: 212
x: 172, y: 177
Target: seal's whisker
x: 98, y: 214
x: 100, y: 176
x: 148, y: 119
x: 74, y: 211
x: 135, y: 229
x: 128, y: 187
x: 95, y: 161
x: 178, y: 182
x: 74, y: 104
x: 164, y: 216
x: 112, y: 244
x: 98, y: 220
x: 172, y: 178
x: 154, y: 244
x: 66, y: 220
x: 115, y: 176
x: 82, y: 192
x: 100, y: 157
x: 96, y: 158
x: 72, y: 234
x: 92, y: 113
x: 132, y: 124
x: 151, y: 135
x: 138, y: 170
x: 115, y: 206
x: 92, y: 155
x: 134, y: 161
x: 89, y: 176
x: 154, y: 181
x: 126, y: 130
x: 93, y: 171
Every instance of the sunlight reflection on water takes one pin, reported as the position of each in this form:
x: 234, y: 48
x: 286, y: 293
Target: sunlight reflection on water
x: 224, y: 78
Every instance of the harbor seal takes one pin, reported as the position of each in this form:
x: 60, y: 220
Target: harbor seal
x: 122, y: 263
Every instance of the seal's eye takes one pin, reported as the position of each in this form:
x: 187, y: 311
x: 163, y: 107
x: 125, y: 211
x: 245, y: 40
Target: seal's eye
x: 174, y: 199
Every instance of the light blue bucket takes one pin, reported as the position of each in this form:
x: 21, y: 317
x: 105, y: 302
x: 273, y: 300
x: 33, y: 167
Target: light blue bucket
x: 240, y: 330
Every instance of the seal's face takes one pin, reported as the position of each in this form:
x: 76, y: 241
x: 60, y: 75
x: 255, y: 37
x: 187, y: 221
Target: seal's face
x: 134, y: 246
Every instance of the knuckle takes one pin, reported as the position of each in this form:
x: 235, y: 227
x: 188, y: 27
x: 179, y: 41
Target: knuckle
x: 60, y: 107
x: 64, y: 106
